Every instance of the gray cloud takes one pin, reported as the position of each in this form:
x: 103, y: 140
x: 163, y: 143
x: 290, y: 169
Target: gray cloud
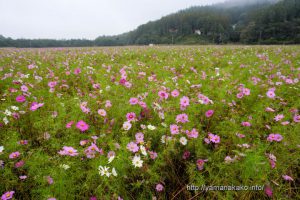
x: 65, y: 19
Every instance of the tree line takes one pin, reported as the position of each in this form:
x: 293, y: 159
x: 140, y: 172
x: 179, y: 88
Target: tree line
x: 257, y: 22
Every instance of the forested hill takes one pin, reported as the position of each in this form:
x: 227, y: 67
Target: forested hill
x: 235, y: 21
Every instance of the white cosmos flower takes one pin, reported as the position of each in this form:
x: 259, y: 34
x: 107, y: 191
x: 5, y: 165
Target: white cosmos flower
x: 14, y: 108
x: 143, y: 150
x: 126, y: 126
x: 104, y: 171
x: 137, y: 162
x: 150, y: 127
x: 163, y: 139
x: 1, y: 149
x: 7, y: 113
x: 111, y: 159
x: 114, y: 172
x: 5, y: 120
x: 64, y: 166
x: 183, y: 140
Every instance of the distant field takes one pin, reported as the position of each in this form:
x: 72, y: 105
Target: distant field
x: 162, y: 122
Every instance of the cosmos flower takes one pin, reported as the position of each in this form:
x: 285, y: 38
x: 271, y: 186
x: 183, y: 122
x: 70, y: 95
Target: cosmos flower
x: 68, y: 151
x: 209, y: 113
x: 14, y: 155
x: 175, y: 93
x: 274, y: 137
x: 126, y: 125
x: 131, y: 116
x: 182, y: 118
x: 271, y: 94
x: 183, y: 140
x: 137, y: 162
x: 287, y: 178
x: 159, y: 187
x: 163, y: 95
x: 102, y: 112
x: 174, y: 129
x: 7, y: 195
x: 133, y: 147
x: 82, y: 126
x: 133, y: 101
x: 139, y: 137
x: 20, y: 99
x: 34, y: 106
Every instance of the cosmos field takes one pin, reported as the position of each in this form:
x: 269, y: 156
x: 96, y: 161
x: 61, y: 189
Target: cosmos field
x: 149, y: 122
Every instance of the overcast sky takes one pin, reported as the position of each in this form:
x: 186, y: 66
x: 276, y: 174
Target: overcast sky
x: 65, y: 19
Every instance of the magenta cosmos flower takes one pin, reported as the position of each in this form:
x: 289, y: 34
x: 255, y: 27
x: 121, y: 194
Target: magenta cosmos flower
x: 131, y: 116
x: 209, y: 113
x: 7, y: 195
x: 68, y: 151
x: 81, y: 125
x: 182, y: 118
x: 20, y: 99
x: 133, y: 147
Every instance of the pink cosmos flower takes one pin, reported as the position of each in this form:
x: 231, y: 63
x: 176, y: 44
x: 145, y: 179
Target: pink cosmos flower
x: 268, y: 191
x: 296, y: 118
x: 200, y: 164
x: 215, y: 139
x: 20, y: 99
x: 240, y: 95
x: 268, y: 109
x: 184, y: 101
x: 139, y: 137
x: 278, y: 117
x: 7, y: 195
x: 49, y: 180
x: 174, y: 129
x: 81, y: 125
x: 14, y: 155
x: 102, y: 112
x: 52, y: 84
x: 127, y: 125
x: 159, y: 187
x: 69, y: 124
x: 175, y: 93
x: 133, y: 101
x: 246, y: 91
x: 153, y: 155
x: 192, y: 134
x: 107, y: 104
x: 274, y: 137
x: 68, y: 151
x: 131, y: 116
x: 182, y: 118
x: 133, y: 147
x: 77, y: 71
x: 19, y: 164
x: 186, y: 155
x: 24, y: 88
x: 163, y: 94
x: 246, y: 124
x: 287, y: 178
x: 22, y: 177
x: 34, y: 106
x: 209, y: 113
x: 271, y: 94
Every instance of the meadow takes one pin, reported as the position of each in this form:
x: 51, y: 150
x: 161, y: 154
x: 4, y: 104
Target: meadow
x: 150, y: 123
